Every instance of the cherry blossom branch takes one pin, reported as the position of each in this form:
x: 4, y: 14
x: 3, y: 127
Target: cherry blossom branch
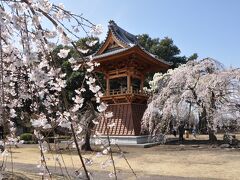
x: 120, y: 150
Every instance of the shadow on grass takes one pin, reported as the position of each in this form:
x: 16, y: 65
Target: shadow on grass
x: 15, y: 176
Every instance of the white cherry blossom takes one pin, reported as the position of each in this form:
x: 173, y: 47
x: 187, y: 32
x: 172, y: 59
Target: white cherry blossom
x: 63, y: 53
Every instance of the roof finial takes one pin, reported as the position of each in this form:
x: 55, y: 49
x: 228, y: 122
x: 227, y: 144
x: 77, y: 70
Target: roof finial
x: 111, y: 22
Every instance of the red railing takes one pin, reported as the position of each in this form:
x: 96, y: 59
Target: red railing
x: 123, y: 91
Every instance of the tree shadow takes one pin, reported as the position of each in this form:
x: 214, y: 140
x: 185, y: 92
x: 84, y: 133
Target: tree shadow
x: 194, y: 142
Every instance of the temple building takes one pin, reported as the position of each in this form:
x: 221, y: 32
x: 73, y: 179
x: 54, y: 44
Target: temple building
x: 125, y: 65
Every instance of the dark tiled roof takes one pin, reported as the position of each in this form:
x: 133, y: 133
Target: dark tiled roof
x: 122, y: 35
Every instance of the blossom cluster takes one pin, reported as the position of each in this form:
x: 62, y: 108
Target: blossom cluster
x: 199, y: 88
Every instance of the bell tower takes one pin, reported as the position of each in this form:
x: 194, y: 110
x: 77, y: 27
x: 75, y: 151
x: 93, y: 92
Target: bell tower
x: 125, y: 64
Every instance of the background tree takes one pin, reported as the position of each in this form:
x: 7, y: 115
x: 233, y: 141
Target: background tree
x: 164, y: 49
x: 88, y: 46
x: 194, y: 56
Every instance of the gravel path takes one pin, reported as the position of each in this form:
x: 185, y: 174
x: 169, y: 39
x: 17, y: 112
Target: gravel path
x: 31, y: 171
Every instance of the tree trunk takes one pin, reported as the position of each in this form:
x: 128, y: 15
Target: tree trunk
x: 202, y: 128
x: 212, y: 137
x: 91, y: 115
x: 87, y: 146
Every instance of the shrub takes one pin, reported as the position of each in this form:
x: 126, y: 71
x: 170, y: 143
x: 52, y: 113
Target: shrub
x: 26, y: 137
x: 29, y: 142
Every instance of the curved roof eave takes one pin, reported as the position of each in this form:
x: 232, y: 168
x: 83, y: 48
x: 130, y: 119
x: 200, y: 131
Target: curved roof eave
x: 124, y: 50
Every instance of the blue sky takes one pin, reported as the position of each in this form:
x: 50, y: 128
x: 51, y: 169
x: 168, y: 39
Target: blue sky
x: 210, y: 28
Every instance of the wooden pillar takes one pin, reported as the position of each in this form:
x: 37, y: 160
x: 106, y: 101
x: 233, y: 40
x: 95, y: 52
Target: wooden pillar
x: 141, y: 85
x: 129, y: 82
x: 107, y: 85
x: 142, y: 82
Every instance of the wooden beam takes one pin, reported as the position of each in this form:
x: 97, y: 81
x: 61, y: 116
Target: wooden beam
x: 118, y: 76
x: 117, y: 71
